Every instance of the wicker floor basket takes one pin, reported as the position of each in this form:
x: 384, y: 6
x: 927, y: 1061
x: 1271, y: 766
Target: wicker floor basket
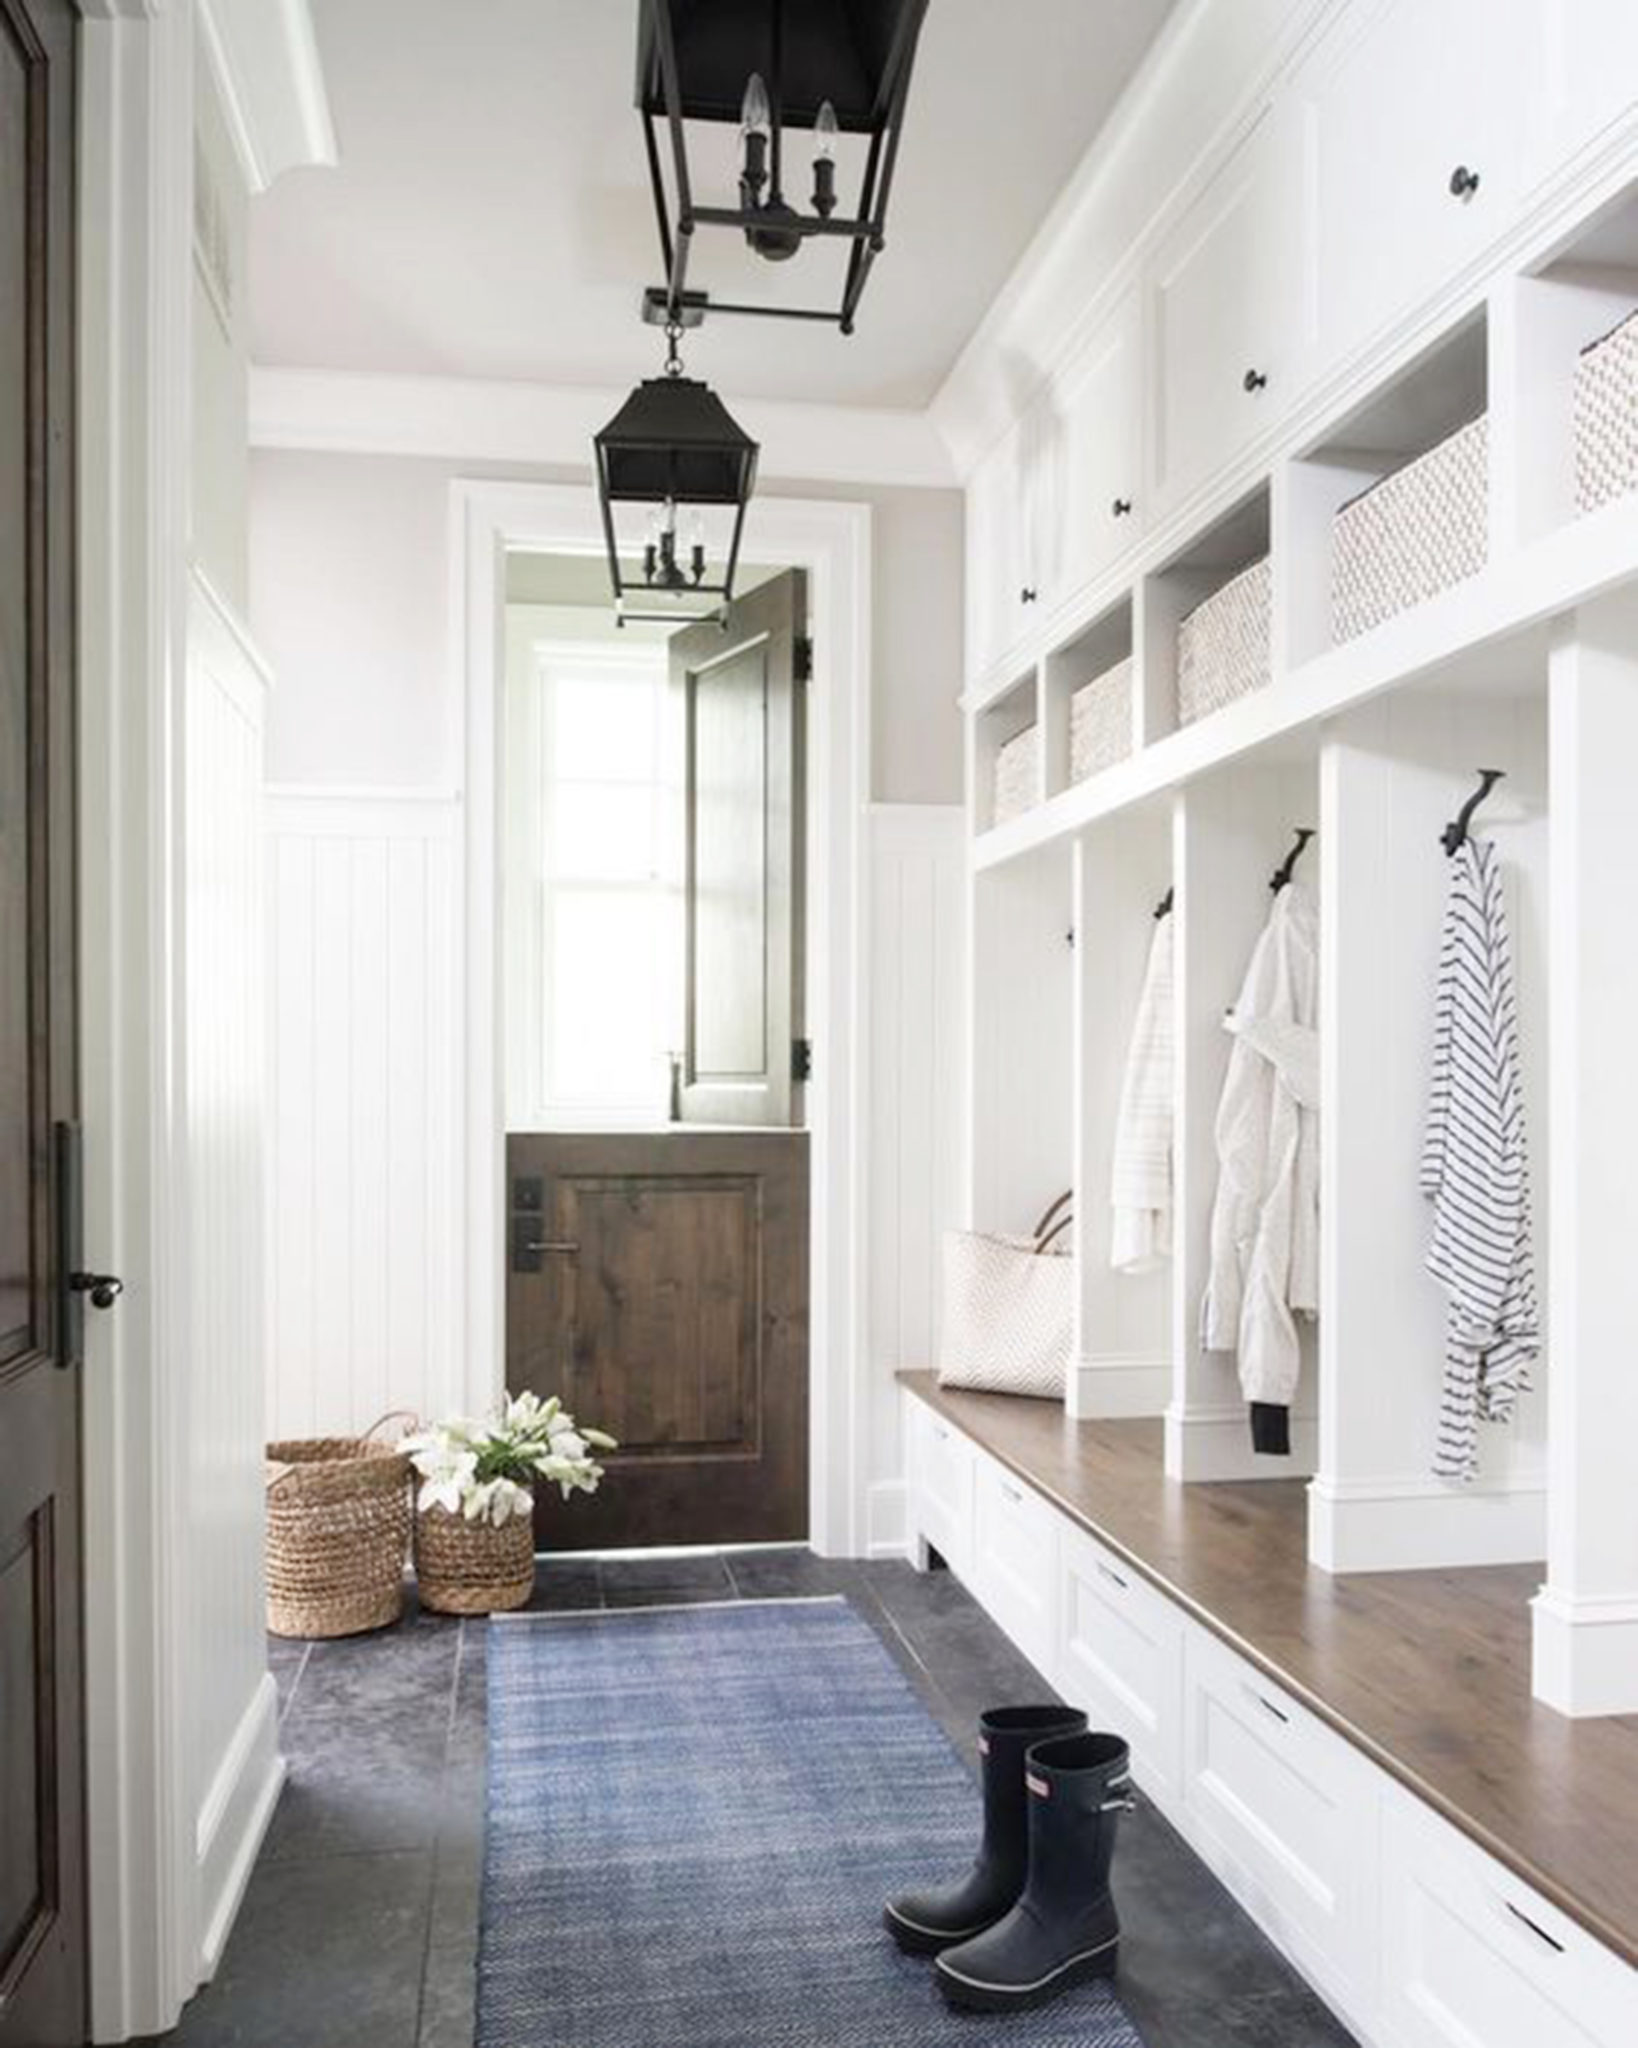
x: 1223, y: 645
x: 338, y: 1526
x: 1417, y: 532
x: 1606, y: 418
x: 464, y: 1567
x: 1100, y: 722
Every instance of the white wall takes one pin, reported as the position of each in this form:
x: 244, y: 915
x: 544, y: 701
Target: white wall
x: 348, y: 596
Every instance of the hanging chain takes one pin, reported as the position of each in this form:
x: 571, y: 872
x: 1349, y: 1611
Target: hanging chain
x: 673, y: 356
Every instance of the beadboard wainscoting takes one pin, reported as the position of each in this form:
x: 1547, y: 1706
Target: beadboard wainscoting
x: 917, y: 1062
x: 364, y: 1230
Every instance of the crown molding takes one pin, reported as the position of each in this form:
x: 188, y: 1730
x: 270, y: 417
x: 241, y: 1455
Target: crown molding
x: 461, y: 419
x: 264, y: 58
x: 1202, y: 86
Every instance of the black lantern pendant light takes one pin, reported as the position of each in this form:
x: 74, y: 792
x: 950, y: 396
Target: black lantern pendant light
x: 673, y: 446
x: 832, y: 67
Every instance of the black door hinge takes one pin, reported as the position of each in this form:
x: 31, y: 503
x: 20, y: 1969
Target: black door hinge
x: 802, y: 658
x: 801, y: 1059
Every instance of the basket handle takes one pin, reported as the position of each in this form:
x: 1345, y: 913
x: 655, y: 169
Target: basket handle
x: 1053, y: 1224
x: 392, y: 1415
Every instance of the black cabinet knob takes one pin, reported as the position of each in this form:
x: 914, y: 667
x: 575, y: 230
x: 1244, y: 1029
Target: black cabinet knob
x: 1120, y: 508
x: 1463, y: 182
x: 1028, y: 594
x: 1255, y: 380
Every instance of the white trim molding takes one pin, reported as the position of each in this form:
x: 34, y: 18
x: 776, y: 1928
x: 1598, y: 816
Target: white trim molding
x: 468, y: 419
x: 831, y: 540
x: 1215, y: 1443
x: 264, y: 57
x: 1584, y: 1653
x: 1414, y: 1524
x: 1117, y: 1384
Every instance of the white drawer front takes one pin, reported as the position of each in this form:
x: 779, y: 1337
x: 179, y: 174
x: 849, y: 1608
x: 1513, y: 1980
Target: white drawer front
x: 941, y: 1486
x: 1471, y: 1955
x: 1121, y: 1658
x: 1015, y: 1562
x: 1289, y: 1813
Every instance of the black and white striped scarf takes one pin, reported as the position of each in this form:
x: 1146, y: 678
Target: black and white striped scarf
x: 1475, y: 1168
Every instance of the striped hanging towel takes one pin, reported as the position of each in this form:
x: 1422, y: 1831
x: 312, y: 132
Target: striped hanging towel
x: 1475, y: 1168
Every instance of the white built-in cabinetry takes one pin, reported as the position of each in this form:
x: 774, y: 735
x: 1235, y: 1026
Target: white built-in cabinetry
x: 1413, y: 212
x: 1417, y: 1936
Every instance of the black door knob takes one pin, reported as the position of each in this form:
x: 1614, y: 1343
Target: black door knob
x: 1255, y: 380
x: 1463, y: 182
x: 103, y: 1288
x: 1027, y: 595
x: 1120, y: 508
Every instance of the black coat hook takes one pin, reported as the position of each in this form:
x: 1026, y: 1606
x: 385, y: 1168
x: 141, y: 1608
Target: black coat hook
x: 1456, y: 831
x: 1164, y: 907
x: 1282, y: 874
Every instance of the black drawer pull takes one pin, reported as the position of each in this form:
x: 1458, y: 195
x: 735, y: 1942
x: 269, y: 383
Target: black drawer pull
x: 1013, y: 1494
x: 1113, y: 1576
x: 1269, y: 1707
x: 1540, y: 1933
x: 1463, y: 182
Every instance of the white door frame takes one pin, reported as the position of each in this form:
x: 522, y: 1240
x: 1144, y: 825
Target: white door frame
x: 831, y: 540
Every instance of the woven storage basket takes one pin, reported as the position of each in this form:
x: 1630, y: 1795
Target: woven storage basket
x: 1016, y: 776
x: 1100, y: 722
x: 1412, y: 535
x: 464, y: 1567
x: 338, y: 1527
x: 1223, y: 648
x: 1606, y: 418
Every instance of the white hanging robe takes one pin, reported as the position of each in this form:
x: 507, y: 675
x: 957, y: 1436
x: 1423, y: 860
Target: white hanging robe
x: 1476, y: 1169
x: 1264, y: 1269
x: 1140, y: 1191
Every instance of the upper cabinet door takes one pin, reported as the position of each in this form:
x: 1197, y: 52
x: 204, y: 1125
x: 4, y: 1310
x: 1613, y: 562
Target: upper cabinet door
x: 1409, y: 111
x: 1582, y: 59
x: 1090, y: 503
x: 997, y: 612
x: 1229, y: 302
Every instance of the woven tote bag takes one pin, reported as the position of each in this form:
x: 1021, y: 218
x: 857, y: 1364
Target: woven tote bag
x: 1008, y: 1309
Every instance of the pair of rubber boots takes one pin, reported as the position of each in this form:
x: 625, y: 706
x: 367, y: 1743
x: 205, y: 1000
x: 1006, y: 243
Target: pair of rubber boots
x: 1034, y: 1915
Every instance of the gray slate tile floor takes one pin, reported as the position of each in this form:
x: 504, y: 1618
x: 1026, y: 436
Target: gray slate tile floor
x: 359, y: 1928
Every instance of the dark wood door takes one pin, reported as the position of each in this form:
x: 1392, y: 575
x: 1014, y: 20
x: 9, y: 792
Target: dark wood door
x: 742, y: 705
x: 42, y: 1928
x: 659, y: 1285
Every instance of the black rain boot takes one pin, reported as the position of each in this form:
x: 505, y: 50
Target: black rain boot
x: 924, y: 1922
x: 1063, y: 1930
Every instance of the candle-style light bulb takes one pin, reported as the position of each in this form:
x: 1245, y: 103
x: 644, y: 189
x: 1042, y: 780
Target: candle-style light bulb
x: 824, y: 160
x: 755, y: 128
x: 696, y: 545
x: 651, y: 543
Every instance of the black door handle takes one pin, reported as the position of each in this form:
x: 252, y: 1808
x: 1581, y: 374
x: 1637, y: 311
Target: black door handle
x: 103, y: 1288
x: 1463, y: 182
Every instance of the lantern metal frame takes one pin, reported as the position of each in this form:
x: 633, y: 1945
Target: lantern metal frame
x: 673, y: 443
x: 663, y: 98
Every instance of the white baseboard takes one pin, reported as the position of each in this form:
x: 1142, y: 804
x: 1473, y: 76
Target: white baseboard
x: 1117, y: 1384
x: 1398, y: 1525
x: 234, y: 1818
x: 887, y: 1520
x: 1585, y: 1656
x: 1215, y: 1443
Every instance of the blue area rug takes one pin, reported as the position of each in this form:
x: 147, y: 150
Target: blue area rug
x: 694, y: 1817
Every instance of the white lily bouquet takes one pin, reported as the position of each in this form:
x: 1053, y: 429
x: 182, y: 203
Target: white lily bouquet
x: 486, y: 1471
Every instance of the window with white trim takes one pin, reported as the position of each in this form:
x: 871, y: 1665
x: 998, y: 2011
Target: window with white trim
x: 594, y: 902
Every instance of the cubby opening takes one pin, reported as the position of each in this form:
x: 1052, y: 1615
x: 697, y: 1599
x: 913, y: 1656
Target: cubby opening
x: 1123, y: 892
x: 1351, y: 555
x: 1007, y: 783
x: 1233, y: 829
x: 1089, y: 708
x: 1571, y: 302
x: 1233, y: 545
x: 1394, y: 774
x: 1023, y: 1002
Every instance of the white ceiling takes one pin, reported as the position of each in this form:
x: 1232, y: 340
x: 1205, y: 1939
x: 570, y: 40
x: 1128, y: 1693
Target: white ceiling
x: 491, y: 217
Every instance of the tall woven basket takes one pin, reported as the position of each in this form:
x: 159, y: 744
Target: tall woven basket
x: 464, y: 1567
x: 338, y: 1531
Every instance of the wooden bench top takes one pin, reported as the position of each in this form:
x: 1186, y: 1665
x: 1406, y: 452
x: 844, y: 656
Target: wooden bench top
x: 1427, y: 1672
